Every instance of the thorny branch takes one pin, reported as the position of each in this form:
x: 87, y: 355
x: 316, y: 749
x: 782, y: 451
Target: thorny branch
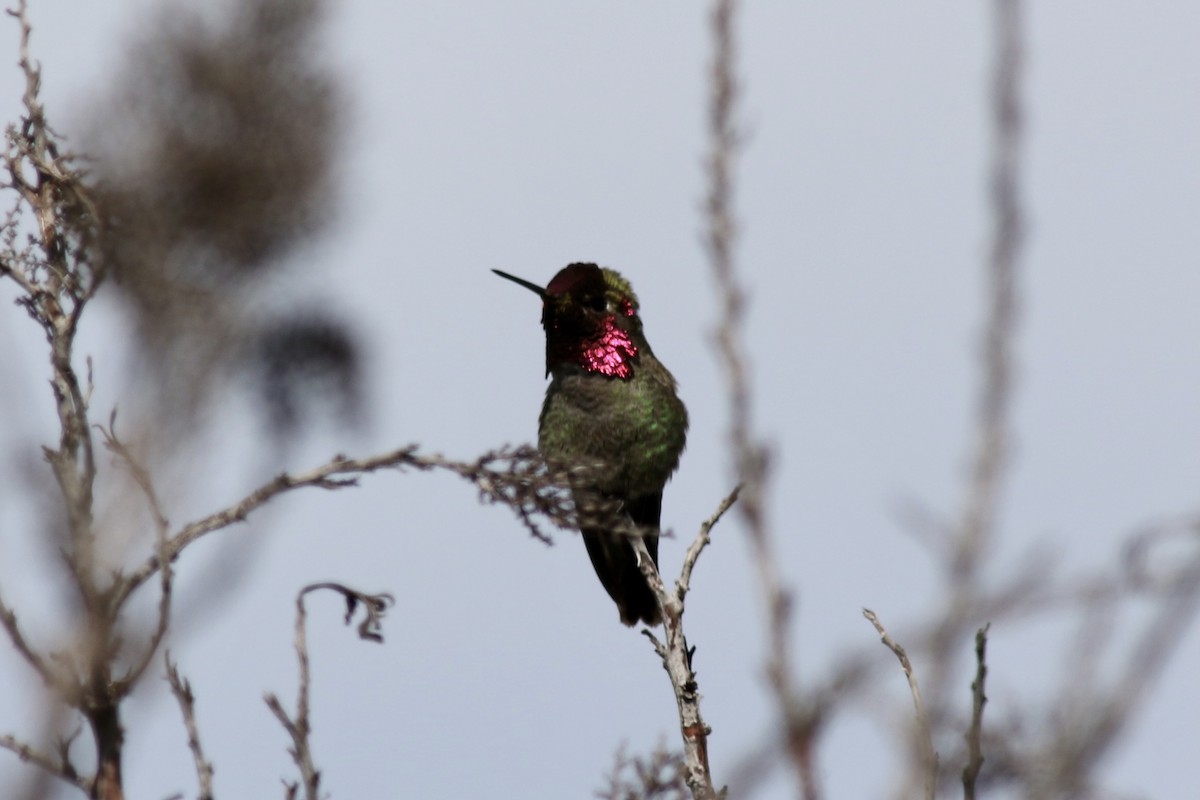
x: 299, y: 727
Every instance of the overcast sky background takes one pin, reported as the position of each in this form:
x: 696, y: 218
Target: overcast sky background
x: 523, y: 136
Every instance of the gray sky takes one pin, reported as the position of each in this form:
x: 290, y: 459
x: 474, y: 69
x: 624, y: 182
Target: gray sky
x: 523, y: 136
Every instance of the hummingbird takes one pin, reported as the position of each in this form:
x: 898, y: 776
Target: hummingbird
x: 611, y: 409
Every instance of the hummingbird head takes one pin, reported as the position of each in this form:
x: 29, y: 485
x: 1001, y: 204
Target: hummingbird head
x: 591, y: 321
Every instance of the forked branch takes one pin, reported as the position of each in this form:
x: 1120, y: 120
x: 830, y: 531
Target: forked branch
x: 299, y: 727
x: 677, y: 655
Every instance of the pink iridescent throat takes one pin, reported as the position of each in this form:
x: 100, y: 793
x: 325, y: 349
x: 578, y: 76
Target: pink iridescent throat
x: 611, y: 353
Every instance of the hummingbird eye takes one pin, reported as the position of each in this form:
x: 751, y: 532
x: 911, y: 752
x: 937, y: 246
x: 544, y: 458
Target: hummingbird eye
x: 597, y: 303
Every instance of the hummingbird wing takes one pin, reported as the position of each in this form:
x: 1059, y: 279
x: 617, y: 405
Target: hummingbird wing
x: 615, y: 561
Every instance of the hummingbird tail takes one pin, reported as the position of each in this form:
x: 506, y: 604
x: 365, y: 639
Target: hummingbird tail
x: 616, y: 563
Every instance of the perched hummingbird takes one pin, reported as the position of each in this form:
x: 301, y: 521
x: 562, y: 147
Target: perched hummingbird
x: 611, y: 408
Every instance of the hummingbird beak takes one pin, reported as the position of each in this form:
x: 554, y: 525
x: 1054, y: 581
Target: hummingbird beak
x: 533, y: 287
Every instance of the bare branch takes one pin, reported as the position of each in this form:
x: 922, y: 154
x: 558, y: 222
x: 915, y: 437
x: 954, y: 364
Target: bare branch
x: 57, y: 280
x: 976, y: 530
x: 374, y: 606
x: 677, y: 661
x: 141, y: 475
x: 660, y: 776
x: 182, y: 689
x: 60, y: 768
x: 48, y: 674
x: 516, y: 477
x: 750, y: 456
x: 970, y: 773
x: 700, y: 542
x: 924, y: 734
x: 996, y: 391
x: 299, y: 727
x: 1071, y: 757
x: 676, y: 655
x: 145, y: 483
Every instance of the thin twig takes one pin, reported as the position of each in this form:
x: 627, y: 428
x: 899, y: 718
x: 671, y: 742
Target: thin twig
x: 60, y: 768
x: 516, y: 477
x: 924, y: 734
x: 182, y: 689
x: 974, y: 736
x: 701, y: 541
x: 145, y: 483
x: 299, y: 727
x: 41, y: 666
x: 141, y: 475
x: 374, y: 607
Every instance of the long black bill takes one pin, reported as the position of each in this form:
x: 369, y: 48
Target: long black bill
x: 533, y: 287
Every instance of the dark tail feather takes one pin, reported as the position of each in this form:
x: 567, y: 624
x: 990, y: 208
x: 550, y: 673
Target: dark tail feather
x: 616, y: 563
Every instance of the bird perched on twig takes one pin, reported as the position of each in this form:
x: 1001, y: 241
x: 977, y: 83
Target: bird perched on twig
x: 612, y: 411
